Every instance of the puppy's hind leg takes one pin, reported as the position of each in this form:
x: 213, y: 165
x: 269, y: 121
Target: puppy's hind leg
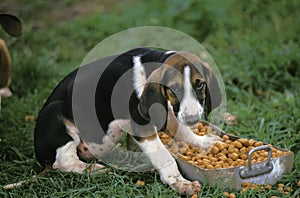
x: 115, y: 131
x: 67, y: 158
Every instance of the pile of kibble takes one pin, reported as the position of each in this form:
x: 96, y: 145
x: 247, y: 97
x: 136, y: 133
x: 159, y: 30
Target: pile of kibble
x: 224, y: 154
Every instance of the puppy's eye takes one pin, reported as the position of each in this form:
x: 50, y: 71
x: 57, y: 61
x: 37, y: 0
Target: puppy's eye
x: 199, y: 85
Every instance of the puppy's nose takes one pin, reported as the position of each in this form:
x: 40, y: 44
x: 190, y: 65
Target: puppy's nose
x: 192, y: 120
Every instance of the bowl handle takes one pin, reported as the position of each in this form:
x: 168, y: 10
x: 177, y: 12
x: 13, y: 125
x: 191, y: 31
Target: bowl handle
x: 257, y: 169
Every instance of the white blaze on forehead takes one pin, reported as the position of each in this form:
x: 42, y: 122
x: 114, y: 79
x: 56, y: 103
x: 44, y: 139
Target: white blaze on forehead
x: 189, y: 104
x: 187, y: 80
x: 139, y: 76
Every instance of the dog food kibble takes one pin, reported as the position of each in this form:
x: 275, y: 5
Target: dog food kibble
x: 237, y: 144
x: 268, y: 186
x: 195, y: 196
x: 229, y: 195
x: 225, y: 137
x: 227, y: 153
x: 280, y: 187
x: 140, y: 183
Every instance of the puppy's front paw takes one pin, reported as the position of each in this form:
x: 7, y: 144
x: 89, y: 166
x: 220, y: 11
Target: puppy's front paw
x: 187, y: 187
x: 206, y: 142
x: 212, y: 139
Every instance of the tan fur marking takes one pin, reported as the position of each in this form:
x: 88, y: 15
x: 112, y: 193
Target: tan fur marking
x: 182, y: 58
x: 170, y: 97
x: 84, y: 152
x: 5, y: 65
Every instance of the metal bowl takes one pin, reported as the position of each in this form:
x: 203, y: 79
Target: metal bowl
x: 267, y: 172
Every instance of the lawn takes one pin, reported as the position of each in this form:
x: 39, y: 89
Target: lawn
x: 254, y: 43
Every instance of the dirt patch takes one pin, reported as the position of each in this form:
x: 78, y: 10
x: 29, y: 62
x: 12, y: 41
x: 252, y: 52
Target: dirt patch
x: 56, y: 11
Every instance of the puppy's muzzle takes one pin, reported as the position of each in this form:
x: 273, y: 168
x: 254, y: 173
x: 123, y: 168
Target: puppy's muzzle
x: 191, y: 120
x: 192, y: 117
x: 191, y: 114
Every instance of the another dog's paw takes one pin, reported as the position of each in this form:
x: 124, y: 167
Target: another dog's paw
x: 5, y: 92
x: 187, y: 187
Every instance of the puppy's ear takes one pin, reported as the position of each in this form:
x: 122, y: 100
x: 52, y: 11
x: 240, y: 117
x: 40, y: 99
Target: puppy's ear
x: 11, y: 24
x: 153, y: 105
x: 213, y: 92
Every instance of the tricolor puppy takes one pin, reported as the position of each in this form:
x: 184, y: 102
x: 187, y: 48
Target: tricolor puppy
x: 156, y: 90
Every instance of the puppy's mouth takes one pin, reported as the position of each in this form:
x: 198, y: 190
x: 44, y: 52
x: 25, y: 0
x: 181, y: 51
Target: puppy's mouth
x: 191, y: 123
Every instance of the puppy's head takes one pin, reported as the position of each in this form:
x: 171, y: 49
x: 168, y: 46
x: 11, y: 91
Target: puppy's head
x: 187, y: 84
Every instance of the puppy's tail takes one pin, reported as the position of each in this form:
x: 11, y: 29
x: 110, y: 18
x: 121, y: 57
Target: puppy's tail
x: 26, y: 181
x: 20, y: 183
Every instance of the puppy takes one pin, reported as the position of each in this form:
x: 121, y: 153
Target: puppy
x: 141, y: 91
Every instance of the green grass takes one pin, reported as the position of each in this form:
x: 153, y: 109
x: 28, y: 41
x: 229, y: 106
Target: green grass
x: 254, y: 43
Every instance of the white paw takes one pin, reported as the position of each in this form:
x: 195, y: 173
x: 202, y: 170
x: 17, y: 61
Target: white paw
x: 207, y: 141
x: 5, y: 92
x: 185, y: 187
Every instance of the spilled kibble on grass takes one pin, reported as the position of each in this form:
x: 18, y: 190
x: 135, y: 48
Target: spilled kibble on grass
x: 246, y: 186
x: 29, y: 118
x: 140, y: 183
x: 194, y: 196
x: 229, y: 195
